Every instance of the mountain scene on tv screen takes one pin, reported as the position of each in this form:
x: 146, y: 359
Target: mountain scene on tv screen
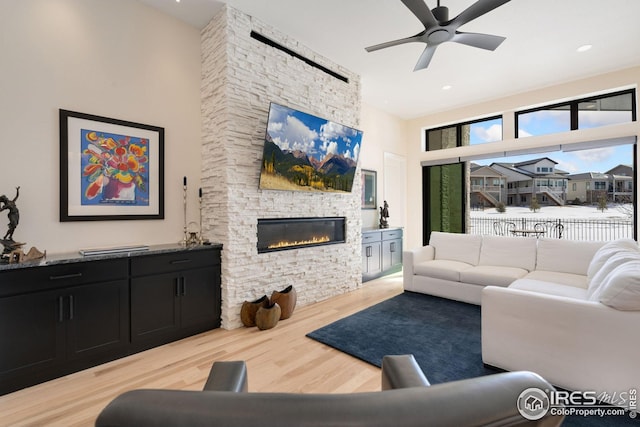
x: 305, y: 152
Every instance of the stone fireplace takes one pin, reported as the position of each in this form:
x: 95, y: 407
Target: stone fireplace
x: 293, y: 233
x: 240, y: 77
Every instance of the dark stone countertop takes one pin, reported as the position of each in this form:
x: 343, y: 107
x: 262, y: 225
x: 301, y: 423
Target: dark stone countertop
x: 371, y: 229
x: 71, y: 257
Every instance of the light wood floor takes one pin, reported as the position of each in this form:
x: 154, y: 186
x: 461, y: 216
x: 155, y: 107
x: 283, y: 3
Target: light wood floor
x: 281, y: 359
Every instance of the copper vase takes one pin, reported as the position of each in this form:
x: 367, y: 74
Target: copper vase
x: 267, y: 317
x: 286, y: 299
x: 249, y: 310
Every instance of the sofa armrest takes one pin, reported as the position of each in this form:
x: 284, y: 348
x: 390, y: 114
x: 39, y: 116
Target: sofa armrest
x: 401, y: 372
x: 227, y: 376
x: 411, y: 258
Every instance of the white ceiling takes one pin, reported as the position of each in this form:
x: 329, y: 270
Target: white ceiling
x: 540, y: 49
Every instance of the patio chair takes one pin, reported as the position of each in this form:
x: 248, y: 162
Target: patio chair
x: 553, y: 229
x: 504, y: 228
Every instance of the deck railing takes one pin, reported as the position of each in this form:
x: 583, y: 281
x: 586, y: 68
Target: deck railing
x: 572, y: 228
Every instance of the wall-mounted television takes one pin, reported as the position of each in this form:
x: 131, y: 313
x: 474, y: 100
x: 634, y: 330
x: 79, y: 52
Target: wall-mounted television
x: 303, y: 152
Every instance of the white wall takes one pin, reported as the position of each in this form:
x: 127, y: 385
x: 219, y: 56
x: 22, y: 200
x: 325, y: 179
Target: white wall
x: 115, y: 58
x: 628, y: 78
x: 384, y: 136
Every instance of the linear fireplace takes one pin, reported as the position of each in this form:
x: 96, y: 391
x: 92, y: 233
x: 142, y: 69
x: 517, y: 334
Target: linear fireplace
x: 292, y: 233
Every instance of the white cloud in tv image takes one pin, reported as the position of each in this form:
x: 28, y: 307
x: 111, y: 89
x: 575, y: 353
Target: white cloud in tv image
x: 303, y: 152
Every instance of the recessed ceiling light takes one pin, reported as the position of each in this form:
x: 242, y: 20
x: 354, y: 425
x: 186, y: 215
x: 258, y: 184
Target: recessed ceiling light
x: 446, y: 87
x: 584, y: 48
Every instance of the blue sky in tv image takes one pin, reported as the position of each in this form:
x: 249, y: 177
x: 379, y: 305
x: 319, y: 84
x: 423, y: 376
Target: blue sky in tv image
x: 550, y: 121
x: 293, y: 130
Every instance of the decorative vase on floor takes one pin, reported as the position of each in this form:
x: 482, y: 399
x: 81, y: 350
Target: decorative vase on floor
x: 249, y: 310
x: 286, y: 299
x: 267, y: 317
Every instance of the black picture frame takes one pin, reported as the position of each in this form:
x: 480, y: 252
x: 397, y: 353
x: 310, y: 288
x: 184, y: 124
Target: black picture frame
x: 369, y: 189
x: 110, y: 169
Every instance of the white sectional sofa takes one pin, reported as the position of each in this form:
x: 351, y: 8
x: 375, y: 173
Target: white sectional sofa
x: 567, y: 310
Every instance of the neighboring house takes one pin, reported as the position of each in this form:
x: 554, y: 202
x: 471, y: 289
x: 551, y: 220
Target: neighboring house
x: 615, y: 184
x: 488, y: 186
x: 587, y: 187
x: 534, y: 178
x: 620, y: 184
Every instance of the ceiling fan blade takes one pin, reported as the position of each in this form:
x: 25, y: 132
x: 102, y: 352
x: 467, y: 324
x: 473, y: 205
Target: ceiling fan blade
x: 415, y: 38
x: 476, y: 10
x: 422, y: 12
x: 425, y: 58
x: 483, y: 41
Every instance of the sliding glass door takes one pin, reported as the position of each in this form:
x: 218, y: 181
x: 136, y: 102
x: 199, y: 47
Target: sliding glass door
x: 444, y: 195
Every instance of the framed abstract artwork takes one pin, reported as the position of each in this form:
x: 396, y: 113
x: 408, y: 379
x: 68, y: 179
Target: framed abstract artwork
x: 110, y: 169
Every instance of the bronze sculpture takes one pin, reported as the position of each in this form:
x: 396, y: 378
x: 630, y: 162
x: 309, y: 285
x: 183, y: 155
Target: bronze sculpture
x: 384, y: 214
x: 14, y: 214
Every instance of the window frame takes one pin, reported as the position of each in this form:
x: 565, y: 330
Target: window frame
x: 573, y: 108
x: 458, y: 128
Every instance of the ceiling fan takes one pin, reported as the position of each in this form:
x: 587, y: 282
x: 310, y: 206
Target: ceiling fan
x: 438, y: 28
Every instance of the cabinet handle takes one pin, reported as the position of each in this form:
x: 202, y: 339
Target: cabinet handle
x: 70, y: 307
x: 368, y: 252
x: 177, y: 286
x: 180, y: 261
x: 184, y: 286
x: 65, y: 276
x: 392, y: 247
x: 60, y: 309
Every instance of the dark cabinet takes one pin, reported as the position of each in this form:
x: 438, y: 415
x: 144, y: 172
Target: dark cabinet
x: 391, y: 249
x: 60, y: 318
x: 71, y: 313
x: 173, y: 296
x: 381, y: 252
x: 371, y: 255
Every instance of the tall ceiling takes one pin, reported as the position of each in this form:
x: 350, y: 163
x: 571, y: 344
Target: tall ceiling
x: 540, y: 49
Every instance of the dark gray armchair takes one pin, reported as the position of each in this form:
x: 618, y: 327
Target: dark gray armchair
x: 406, y: 399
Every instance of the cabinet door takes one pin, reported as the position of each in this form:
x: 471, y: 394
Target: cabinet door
x: 97, y: 318
x: 200, y: 298
x: 391, y: 253
x: 32, y: 333
x: 371, y: 261
x: 155, y: 309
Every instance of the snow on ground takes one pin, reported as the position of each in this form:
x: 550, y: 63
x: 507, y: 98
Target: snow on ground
x: 554, y: 212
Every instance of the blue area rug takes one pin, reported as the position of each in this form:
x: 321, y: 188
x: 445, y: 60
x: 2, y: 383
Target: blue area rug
x: 443, y: 335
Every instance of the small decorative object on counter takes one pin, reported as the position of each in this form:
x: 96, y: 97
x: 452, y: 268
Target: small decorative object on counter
x: 12, y: 252
x: 384, y: 214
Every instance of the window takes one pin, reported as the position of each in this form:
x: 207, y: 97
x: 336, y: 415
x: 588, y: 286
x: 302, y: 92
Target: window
x: 600, y: 185
x: 467, y: 133
x: 574, y: 187
x: 583, y: 113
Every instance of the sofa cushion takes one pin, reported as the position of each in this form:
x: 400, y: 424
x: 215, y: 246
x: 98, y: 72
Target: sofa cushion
x: 486, y: 275
x: 606, y: 251
x: 569, y: 279
x: 456, y: 246
x: 621, y: 289
x: 441, y: 269
x: 611, y: 264
x: 508, y: 252
x: 565, y: 256
x: 549, y: 288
